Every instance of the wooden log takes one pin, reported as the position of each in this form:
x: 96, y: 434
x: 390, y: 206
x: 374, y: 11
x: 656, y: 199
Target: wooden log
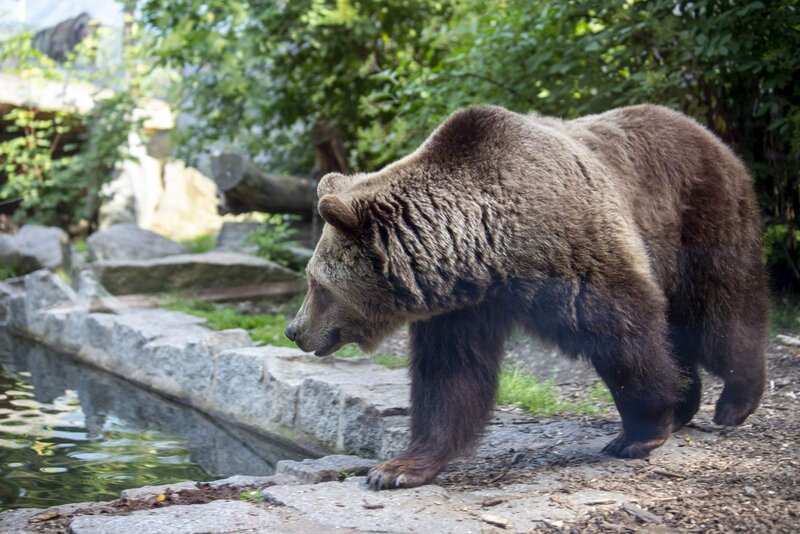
x: 244, y: 188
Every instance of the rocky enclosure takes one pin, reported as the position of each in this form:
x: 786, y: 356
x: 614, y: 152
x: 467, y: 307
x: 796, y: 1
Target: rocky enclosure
x: 527, y: 475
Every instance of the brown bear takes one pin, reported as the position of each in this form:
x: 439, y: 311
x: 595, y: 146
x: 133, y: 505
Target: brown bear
x: 630, y: 238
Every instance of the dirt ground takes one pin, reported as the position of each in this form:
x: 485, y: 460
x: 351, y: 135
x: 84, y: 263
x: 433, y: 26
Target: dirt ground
x: 705, y: 479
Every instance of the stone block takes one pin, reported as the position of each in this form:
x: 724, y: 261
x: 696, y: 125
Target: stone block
x: 239, y: 387
x: 325, y: 469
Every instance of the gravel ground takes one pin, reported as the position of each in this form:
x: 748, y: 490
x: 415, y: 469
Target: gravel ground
x: 706, y: 479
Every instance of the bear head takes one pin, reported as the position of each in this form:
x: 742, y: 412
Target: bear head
x: 349, y: 299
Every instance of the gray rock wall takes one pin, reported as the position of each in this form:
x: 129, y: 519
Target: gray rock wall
x: 324, y: 404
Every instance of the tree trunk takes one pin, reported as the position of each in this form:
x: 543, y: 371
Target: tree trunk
x: 329, y: 156
x: 244, y: 188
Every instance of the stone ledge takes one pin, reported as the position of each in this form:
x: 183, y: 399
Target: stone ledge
x: 333, y: 404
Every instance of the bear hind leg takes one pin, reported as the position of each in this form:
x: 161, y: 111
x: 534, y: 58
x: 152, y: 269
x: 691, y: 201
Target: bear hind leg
x: 737, y: 357
x: 622, y: 331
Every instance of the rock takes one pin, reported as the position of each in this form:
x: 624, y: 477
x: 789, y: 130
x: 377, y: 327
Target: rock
x: 325, y: 469
x: 160, y: 194
x: 35, y: 247
x: 16, y: 521
x: 350, y: 505
x: 44, y: 289
x: 180, y: 364
x: 232, y: 237
x: 211, y: 270
x: 495, y: 520
x: 129, y: 242
x: 214, y: 517
x: 239, y: 385
x: 10, y: 256
x: 187, y: 205
x: 788, y: 341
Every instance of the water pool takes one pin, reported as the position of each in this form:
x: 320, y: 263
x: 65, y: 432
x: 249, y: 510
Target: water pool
x: 70, y: 433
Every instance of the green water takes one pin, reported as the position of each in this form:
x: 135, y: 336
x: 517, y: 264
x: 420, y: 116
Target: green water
x: 48, y: 456
x: 69, y: 433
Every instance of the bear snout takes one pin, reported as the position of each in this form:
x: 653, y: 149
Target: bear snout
x: 291, y: 331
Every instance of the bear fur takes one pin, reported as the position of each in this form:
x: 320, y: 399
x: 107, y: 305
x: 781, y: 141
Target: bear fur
x: 630, y: 238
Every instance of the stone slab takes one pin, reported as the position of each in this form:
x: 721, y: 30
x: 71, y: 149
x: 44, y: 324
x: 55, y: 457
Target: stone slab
x: 130, y: 242
x: 325, y: 469
x: 218, y: 517
x: 184, y: 272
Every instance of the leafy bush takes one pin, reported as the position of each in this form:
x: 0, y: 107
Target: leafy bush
x: 56, y: 161
x: 273, y: 241
x: 201, y: 243
x: 388, y: 72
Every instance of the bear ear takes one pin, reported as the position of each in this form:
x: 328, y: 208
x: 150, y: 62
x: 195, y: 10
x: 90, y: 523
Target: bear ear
x: 333, y: 183
x: 339, y: 214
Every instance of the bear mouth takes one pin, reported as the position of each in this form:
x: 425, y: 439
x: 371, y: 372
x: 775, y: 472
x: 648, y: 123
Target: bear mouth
x: 333, y: 345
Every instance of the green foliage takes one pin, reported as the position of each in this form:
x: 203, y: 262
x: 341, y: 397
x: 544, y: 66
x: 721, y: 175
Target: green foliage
x: 7, y: 271
x: 273, y: 240
x: 256, y: 67
x: 785, y: 315
x: 388, y: 72
x: 389, y: 360
x: 57, y: 162
x: 201, y: 243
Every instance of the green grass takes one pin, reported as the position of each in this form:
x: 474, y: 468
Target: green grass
x: 526, y: 391
x: 201, y: 243
x: 7, y: 272
x: 252, y: 495
x: 81, y: 246
x: 263, y: 328
x: 537, y: 397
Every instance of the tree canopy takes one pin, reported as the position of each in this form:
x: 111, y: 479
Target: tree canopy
x: 258, y: 74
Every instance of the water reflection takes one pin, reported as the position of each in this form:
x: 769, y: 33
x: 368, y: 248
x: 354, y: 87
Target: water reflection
x: 69, y: 433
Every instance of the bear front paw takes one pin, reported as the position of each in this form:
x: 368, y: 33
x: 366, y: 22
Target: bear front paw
x: 624, y: 447
x: 399, y: 473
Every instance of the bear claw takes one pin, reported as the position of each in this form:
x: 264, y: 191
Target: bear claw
x: 623, y: 447
x: 397, y: 474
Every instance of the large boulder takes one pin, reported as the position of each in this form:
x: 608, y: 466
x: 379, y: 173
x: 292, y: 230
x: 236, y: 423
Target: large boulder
x: 10, y: 255
x: 232, y: 237
x: 186, y: 272
x: 129, y: 242
x: 35, y: 247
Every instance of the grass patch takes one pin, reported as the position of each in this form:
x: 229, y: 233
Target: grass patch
x: 264, y: 328
x: 81, y: 246
x: 201, y: 243
x: 526, y: 391
x: 539, y: 397
x: 388, y: 360
x: 254, y: 496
